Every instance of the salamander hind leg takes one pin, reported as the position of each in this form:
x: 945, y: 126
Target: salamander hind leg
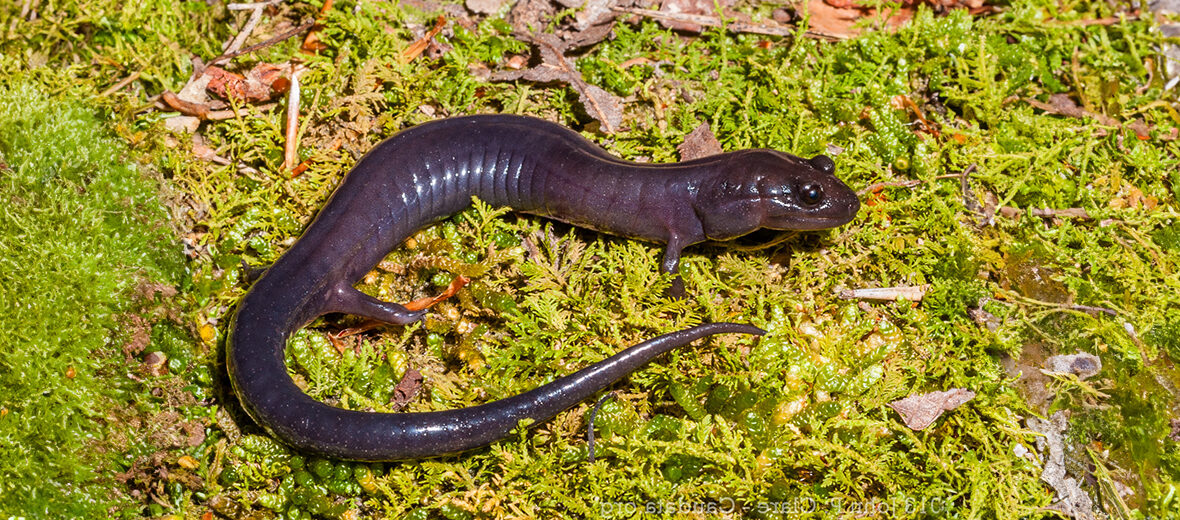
x: 348, y: 300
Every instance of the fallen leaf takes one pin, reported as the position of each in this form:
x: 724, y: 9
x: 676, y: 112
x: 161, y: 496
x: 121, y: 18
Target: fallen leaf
x: 1062, y: 104
x: 591, y: 23
x: 920, y: 411
x: 555, y: 68
x: 407, y: 388
x: 419, y: 45
x: 699, y: 143
x: 528, y: 16
x: 705, y: 7
x: 839, y: 22
x: 262, y: 83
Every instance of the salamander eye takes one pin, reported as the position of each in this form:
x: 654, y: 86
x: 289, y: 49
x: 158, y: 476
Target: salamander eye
x: 811, y: 194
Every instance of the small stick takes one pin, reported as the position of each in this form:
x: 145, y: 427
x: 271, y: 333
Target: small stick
x: 590, y: 429
x: 188, y: 108
x: 251, y: 5
x: 263, y: 45
x: 426, y: 303
x: 122, y: 83
x: 969, y: 200
x: 713, y: 21
x: 221, y: 115
x: 291, y: 148
x: 909, y: 293
x: 246, y: 31
x: 303, y: 166
x: 1014, y: 213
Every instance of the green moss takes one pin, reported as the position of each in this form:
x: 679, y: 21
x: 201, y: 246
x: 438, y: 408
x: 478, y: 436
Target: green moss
x: 81, y: 229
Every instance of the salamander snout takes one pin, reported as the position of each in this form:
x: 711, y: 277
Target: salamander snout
x: 807, y: 196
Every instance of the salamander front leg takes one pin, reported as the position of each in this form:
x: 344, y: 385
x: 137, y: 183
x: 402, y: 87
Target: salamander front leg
x: 671, y: 264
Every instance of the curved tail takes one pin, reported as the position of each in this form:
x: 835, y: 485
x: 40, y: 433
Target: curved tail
x: 270, y: 396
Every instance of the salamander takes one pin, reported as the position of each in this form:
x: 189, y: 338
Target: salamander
x: 431, y: 171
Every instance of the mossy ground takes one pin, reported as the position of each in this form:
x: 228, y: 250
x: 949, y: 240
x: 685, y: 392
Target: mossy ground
x: 795, y: 421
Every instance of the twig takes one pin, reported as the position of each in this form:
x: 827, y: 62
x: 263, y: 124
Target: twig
x: 252, y: 5
x: 713, y: 21
x: 221, y: 115
x: 1093, y: 21
x: 263, y: 45
x: 291, y: 148
x: 905, y: 101
x: 969, y: 200
x: 122, y: 83
x: 246, y: 31
x: 188, y: 108
x: 888, y: 294
x: 1014, y: 213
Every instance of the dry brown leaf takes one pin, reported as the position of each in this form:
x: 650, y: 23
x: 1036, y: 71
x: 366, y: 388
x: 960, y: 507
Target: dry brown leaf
x: 555, y: 68
x: 1062, y: 104
x: 699, y: 143
x: 591, y: 23
x: 262, y: 83
x: 407, y: 388
x: 839, y: 21
x: 920, y: 411
x: 422, y: 43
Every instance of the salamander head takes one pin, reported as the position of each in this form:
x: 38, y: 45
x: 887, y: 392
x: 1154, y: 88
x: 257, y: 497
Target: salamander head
x: 774, y: 190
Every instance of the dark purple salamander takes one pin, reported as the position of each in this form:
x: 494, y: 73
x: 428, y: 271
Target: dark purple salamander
x: 431, y: 171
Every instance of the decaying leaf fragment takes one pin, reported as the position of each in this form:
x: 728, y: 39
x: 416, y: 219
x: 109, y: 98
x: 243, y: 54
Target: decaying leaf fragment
x: 699, y: 143
x: 262, y: 83
x: 703, y: 7
x: 920, y: 411
x: 407, y: 389
x: 555, y: 68
x: 1062, y: 104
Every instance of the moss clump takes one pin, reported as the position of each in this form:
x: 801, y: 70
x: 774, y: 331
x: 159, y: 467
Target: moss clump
x: 79, y: 230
